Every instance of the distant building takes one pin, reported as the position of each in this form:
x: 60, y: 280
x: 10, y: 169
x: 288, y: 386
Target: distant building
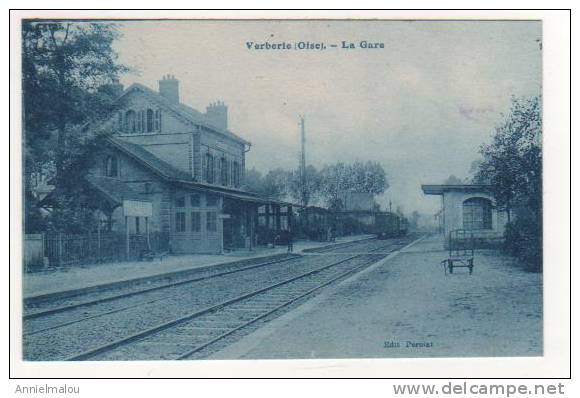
x: 168, y: 168
x: 469, y: 207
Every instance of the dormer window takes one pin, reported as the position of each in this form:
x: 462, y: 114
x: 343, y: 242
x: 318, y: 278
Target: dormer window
x: 111, y: 166
x: 150, y: 120
x: 139, y: 124
x: 157, y: 120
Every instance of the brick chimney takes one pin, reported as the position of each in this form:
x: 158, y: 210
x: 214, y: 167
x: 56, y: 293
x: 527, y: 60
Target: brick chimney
x: 217, y: 113
x: 169, y: 88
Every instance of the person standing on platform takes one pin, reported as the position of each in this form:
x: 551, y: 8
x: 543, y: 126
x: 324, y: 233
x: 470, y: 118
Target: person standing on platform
x: 290, y: 242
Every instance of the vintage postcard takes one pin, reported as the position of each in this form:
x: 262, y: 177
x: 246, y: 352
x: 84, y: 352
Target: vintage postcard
x: 245, y: 189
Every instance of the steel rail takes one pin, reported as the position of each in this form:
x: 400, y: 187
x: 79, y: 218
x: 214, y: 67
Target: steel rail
x: 166, y: 325
x: 142, y: 291
x: 39, y: 314
x: 270, y: 312
x: 57, y: 310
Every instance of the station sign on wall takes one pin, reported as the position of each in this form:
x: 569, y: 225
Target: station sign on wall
x: 136, y: 208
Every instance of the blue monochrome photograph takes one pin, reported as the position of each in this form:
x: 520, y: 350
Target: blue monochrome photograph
x: 203, y: 189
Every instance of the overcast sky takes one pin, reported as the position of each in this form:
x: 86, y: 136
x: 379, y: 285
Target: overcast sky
x: 421, y: 106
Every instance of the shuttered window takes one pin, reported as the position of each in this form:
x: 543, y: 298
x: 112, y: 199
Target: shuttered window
x: 225, y: 172
x: 209, y: 168
x: 236, y: 174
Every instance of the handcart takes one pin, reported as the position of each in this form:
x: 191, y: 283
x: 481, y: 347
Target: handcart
x: 461, y: 248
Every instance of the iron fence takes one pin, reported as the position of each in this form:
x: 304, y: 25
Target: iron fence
x: 70, y: 249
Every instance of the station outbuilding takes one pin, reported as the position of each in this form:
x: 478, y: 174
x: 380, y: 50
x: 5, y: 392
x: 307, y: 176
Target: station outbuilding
x: 471, y: 207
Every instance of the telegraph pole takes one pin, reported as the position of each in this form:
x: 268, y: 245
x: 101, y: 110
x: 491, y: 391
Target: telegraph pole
x: 302, y: 162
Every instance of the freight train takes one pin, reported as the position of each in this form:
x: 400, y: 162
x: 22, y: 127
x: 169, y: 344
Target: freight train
x: 320, y: 224
x: 389, y: 225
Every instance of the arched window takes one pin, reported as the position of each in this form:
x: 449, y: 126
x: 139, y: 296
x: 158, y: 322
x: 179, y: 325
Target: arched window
x: 157, y: 121
x: 111, y: 166
x: 139, y: 122
x: 130, y: 122
x: 476, y: 214
x: 149, y: 120
x: 142, y: 127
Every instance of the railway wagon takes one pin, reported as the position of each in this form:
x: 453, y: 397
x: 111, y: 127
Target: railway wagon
x: 389, y: 225
x: 315, y: 223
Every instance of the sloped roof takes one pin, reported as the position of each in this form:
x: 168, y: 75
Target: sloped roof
x: 144, y: 156
x: 185, y: 111
x: 174, y: 175
x: 439, y: 189
x: 115, y: 190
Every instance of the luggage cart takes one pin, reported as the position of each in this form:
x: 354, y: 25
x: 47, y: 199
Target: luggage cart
x: 461, y: 248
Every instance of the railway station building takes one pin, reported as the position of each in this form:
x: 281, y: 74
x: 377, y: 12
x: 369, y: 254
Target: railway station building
x: 166, y: 168
x: 471, y: 207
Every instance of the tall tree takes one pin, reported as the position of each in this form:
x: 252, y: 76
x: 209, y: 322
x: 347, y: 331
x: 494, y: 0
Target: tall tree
x: 369, y: 177
x: 276, y: 183
x: 512, y: 164
x: 311, y: 188
x: 66, y: 67
x: 253, y: 180
x: 333, y: 181
x: 273, y: 184
x: 64, y: 64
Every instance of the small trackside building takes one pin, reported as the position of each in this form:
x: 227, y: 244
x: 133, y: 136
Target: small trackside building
x: 471, y: 207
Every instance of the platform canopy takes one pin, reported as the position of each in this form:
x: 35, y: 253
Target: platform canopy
x: 440, y: 189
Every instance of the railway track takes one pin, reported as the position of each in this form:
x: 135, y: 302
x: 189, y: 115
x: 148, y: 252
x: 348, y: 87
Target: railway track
x: 193, y: 334
x: 125, y: 293
x: 182, y: 290
x: 86, y: 303
x: 67, y: 303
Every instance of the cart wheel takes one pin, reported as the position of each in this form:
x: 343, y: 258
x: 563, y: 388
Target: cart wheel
x: 470, y: 267
x: 450, y: 267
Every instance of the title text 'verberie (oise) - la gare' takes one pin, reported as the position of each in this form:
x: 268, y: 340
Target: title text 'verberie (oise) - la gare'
x: 308, y: 45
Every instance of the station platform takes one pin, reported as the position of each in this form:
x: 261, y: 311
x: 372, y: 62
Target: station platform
x: 405, y: 306
x: 59, y: 280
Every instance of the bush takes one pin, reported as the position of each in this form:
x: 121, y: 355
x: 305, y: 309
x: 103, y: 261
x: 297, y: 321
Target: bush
x: 523, y: 239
